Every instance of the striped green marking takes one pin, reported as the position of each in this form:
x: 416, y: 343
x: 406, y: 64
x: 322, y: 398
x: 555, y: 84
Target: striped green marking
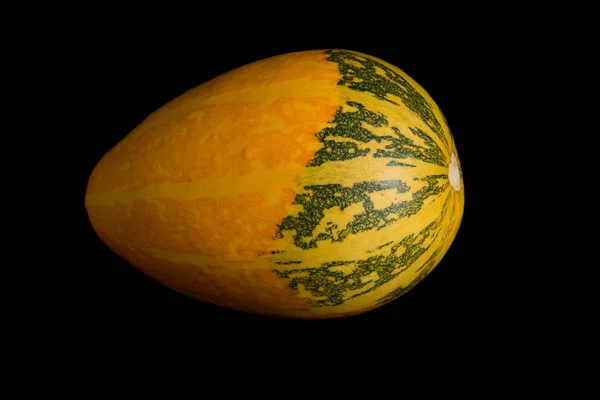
x: 401, y: 146
x: 428, y: 265
x: 351, y: 127
x: 319, y: 198
x: 354, y: 133
x: 360, y: 73
x: 425, y: 270
x: 340, y: 142
x: 329, y: 286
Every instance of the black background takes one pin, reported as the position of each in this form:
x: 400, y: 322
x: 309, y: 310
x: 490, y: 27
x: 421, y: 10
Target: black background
x: 477, y: 284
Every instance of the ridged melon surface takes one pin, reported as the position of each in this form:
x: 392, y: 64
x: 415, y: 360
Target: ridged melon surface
x: 313, y: 184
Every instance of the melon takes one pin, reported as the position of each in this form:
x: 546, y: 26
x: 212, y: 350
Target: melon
x: 309, y: 185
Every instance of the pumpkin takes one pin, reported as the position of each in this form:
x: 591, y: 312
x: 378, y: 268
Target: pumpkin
x: 314, y: 184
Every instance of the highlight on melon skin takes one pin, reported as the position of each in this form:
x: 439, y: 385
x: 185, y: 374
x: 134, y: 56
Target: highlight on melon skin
x: 315, y: 184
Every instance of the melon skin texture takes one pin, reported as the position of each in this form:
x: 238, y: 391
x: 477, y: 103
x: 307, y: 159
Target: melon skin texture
x: 314, y: 184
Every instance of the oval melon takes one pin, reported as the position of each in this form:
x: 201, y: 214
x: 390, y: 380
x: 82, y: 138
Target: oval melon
x: 313, y: 184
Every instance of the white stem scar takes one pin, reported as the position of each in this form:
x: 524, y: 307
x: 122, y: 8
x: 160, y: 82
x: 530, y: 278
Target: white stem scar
x: 454, y: 173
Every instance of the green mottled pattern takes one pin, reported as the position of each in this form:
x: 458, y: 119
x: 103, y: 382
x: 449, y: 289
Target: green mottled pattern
x: 385, y: 244
x: 339, y: 142
x: 347, y: 125
x: 355, y: 132
x: 361, y: 73
x: 401, y: 146
x: 399, y: 164
x: 330, y: 286
x: 319, y: 198
x: 425, y: 269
